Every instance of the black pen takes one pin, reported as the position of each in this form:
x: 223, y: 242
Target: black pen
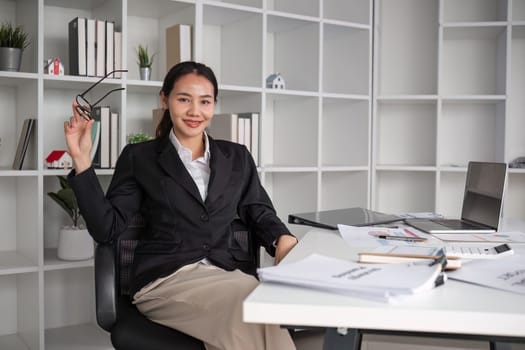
x: 401, y: 238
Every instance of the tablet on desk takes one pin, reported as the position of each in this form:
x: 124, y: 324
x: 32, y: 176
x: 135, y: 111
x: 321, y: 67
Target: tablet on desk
x: 329, y: 219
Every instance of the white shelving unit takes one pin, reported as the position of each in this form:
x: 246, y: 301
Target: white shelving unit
x: 449, y: 88
x: 315, y: 136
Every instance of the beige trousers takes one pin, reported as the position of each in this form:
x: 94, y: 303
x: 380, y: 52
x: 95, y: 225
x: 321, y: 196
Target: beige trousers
x: 205, y: 302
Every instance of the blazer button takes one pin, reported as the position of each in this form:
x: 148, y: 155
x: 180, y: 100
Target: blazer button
x: 204, y: 217
x: 205, y: 246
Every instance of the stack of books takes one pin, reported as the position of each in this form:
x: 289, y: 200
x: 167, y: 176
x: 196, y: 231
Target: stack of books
x: 95, y: 48
x: 242, y: 128
x: 105, y: 137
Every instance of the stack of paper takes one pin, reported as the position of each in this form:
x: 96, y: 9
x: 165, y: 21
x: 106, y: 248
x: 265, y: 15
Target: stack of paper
x: 384, y: 282
x: 506, y: 274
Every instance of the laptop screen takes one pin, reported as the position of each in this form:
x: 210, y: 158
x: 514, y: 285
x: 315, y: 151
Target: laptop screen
x: 484, y: 189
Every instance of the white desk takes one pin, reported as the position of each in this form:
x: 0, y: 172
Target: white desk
x: 454, y: 308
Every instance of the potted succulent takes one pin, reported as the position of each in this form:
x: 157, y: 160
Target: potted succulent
x: 13, y: 41
x: 74, y: 242
x: 145, y: 60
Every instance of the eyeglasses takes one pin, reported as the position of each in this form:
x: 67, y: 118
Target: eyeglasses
x: 84, y: 107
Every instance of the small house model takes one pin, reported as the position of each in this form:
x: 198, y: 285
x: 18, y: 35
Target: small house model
x: 59, y: 159
x: 54, y: 66
x: 275, y: 81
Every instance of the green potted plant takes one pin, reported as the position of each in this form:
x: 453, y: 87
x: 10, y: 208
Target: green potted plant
x: 145, y: 61
x: 138, y: 137
x: 13, y: 41
x: 74, y: 242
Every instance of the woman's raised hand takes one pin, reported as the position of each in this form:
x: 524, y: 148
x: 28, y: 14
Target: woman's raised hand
x: 78, y: 139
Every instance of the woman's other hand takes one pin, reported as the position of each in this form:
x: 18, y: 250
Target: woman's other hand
x: 78, y: 139
x: 284, y: 245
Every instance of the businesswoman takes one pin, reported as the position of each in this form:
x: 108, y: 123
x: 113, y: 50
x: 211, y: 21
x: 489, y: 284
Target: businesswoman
x: 189, y: 188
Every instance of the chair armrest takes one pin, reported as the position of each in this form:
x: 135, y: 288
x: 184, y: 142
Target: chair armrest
x: 105, y: 286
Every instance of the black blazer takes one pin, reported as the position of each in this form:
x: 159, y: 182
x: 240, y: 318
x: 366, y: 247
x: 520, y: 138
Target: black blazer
x: 180, y: 228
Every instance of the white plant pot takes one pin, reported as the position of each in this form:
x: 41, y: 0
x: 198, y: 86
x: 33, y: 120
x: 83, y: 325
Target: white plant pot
x: 75, y: 244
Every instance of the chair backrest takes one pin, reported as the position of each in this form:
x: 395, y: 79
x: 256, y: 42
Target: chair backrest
x: 241, y: 242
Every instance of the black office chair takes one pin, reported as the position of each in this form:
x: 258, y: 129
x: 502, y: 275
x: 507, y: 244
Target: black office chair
x: 129, y: 329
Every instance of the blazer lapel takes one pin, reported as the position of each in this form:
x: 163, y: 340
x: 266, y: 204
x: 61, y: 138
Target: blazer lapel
x: 169, y: 160
x: 221, y: 167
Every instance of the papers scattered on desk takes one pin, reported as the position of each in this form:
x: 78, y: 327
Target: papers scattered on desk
x: 497, y: 237
x: 377, y: 282
x: 506, y: 274
x: 371, y: 236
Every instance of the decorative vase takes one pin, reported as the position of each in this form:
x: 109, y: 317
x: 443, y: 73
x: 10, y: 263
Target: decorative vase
x: 145, y: 73
x: 75, y: 244
x: 10, y: 59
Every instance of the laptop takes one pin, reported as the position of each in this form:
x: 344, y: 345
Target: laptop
x: 329, y: 219
x: 482, y: 202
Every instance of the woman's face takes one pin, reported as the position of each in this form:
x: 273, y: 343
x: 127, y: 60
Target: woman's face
x: 191, y: 104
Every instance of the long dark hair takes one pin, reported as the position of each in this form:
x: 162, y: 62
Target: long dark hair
x: 174, y: 74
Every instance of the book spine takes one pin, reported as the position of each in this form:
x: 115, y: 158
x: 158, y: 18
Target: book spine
x: 110, y: 46
x: 118, y: 53
x: 114, y: 139
x: 102, y: 156
x: 77, y: 46
x: 90, y: 47
x: 178, y: 44
x: 100, y: 47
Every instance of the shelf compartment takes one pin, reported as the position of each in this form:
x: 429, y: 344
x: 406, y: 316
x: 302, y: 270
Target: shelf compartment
x: 20, y: 311
x: 139, y: 113
x: 57, y: 15
x: 292, y: 48
x: 223, y: 30
x: 19, y: 238
x: 473, y: 60
x: 69, y: 299
x: 471, y: 132
x: 290, y: 127
x: 518, y: 10
x: 24, y: 13
x: 345, y: 132
x: 356, y: 11
x: 344, y: 190
x: 18, y: 103
x: 231, y: 101
x: 515, y: 122
x: 474, y: 10
x: 405, y: 191
x: 294, y: 192
x: 514, y: 204
x: 57, y: 109
x: 346, y: 60
x: 52, y: 262
x: 407, y: 66
x: 146, y: 26
x: 406, y: 133
x: 89, y: 335
x: 450, y: 194
x: 304, y: 7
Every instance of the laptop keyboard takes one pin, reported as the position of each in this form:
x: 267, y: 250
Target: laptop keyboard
x: 457, y: 224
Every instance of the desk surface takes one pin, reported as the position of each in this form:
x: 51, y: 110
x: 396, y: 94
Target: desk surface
x: 455, y: 307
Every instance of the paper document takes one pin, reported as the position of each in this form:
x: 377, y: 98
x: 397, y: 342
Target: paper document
x: 371, y: 236
x: 506, y: 274
x: 378, y: 282
x: 421, y: 215
x: 496, y: 237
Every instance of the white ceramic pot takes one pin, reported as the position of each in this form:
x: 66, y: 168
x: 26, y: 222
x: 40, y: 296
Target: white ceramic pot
x: 75, y: 244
